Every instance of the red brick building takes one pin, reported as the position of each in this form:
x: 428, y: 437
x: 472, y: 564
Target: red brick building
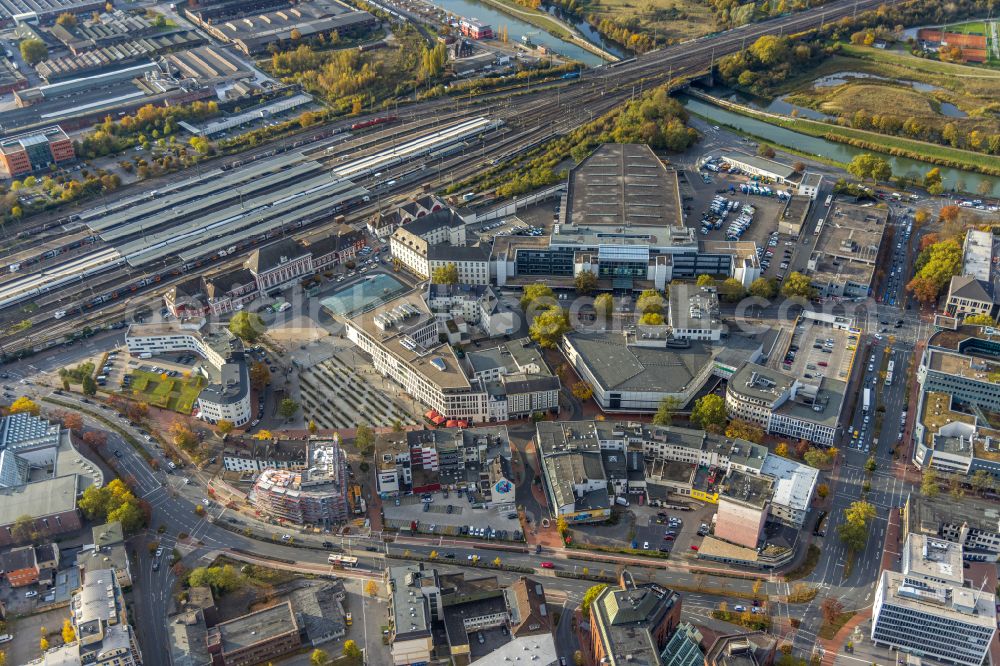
x: 632, y: 623
x: 255, y: 638
x: 19, y: 566
x: 475, y: 29
x: 51, y: 504
x: 26, y: 153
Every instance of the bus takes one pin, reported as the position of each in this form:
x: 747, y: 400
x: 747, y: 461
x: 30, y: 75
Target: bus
x: 888, y: 373
x: 829, y: 200
x: 343, y: 561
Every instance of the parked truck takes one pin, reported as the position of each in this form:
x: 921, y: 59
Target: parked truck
x: 867, y: 399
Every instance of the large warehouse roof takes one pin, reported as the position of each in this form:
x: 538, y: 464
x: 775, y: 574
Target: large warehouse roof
x: 622, y: 185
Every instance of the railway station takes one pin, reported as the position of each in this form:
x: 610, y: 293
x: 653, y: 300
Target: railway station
x: 222, y: 212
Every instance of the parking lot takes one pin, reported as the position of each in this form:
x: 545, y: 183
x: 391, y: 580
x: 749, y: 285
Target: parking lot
x: 653, y: 526
x: 434, y: 517
x: 27, y: 630
x: 704, y: 187
x: 508, y: 226
x: 819, y: 350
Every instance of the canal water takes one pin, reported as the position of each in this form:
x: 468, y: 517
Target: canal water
x: 901, y: 166
x: 516, y: 29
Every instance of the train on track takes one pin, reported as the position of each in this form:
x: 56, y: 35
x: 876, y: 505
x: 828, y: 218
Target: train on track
x: 381, y: 120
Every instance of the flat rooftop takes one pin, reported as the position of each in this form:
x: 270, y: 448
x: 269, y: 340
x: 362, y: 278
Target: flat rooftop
x: 837, y: 347
x: 848, y: 243
x: 41, y: 498
x: 622, y: 185
x: 961, y: 365
x: 408, y: 607
x: 934, y: 558
x: 217, y: 338
x: 257, y: 627
x: 943, y: 601
x: 437, y: 363
x: 748, y: 489
x: 978, y: 254
x: 762, y: 163
x: 620, y: 365
x: 817, y: 401
x: 693, y: 307
x: 794, y: 482
x: 928, y: 515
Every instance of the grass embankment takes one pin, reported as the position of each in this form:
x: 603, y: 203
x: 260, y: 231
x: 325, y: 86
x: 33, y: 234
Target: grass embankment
x: 802, y: 593
x: 881, y: 143
x: 751, y: 621
x: 911, y: 62
x: 807, y: 566
x: 670, y: 19
x: 535, y: 17
x: 109, y: 424
x: 829, y: 629
x: 914, y: 88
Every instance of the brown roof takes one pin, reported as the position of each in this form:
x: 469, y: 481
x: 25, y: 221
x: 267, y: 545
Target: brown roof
x: 532, y: 612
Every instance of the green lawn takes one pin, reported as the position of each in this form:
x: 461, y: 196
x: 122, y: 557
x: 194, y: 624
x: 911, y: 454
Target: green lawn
x: 971, y: 28
x: 175, y: 393
x: 908, y: 61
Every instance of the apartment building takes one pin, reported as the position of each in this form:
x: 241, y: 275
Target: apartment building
x: 968, y: 295
x: 456, y: 458
x: 706, y: 462
x: 744, y: 503
x: 316, y: 496
x: 256, y: 455
x: 100, y: 622
x: 517, y: 371
x: 930, y: 610
x: 107, y: 550
x: 29, y: 565
x: 785, y: 405
x: 227, y: 394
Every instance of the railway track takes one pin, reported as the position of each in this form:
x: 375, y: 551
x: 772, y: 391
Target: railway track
x: 594, y: 93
